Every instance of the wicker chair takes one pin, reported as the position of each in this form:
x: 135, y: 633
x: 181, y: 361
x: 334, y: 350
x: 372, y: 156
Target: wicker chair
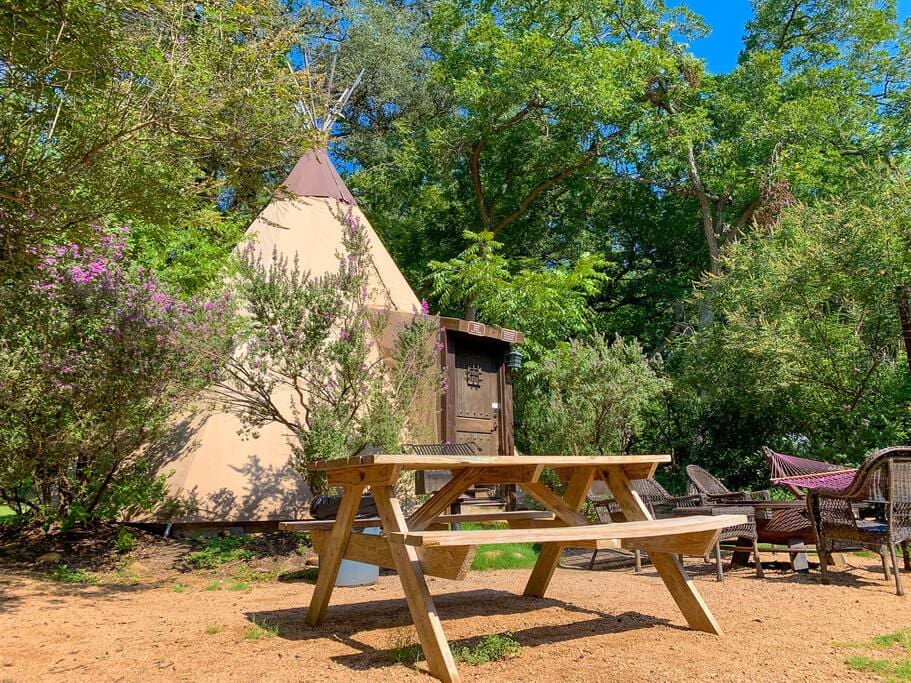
x: 657, y: 499
x: 714, y: 491
x: 883, y: 483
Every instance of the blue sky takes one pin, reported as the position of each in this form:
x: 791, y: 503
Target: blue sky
x: 726, y: 18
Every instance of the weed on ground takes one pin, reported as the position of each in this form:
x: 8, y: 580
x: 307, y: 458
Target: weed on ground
x: 887, y: 656
x: 63, y: 574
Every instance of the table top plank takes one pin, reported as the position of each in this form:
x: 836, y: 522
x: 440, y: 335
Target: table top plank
x: 430, y: 462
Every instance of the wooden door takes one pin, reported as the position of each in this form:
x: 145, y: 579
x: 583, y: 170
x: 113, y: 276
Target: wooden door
x: 477, y: 402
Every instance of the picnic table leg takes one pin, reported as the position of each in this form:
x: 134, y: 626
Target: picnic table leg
x: 420, y: 604
x: 576, y: 490
x: 330, y: 560
x: 680, y: 586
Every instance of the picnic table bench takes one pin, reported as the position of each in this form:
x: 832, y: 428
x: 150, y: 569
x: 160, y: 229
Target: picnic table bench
x: 421, y: 545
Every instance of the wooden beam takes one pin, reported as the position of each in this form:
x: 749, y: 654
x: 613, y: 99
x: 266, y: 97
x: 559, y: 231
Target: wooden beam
x: 365, y: 476
x: 420, y: 604
x: 440, y: 501
x: 559, y: 506
x: 566, y: 509
x: 680, y: 586
x: 335, y: 549
x: 446, y: 563
x: 495, y: 516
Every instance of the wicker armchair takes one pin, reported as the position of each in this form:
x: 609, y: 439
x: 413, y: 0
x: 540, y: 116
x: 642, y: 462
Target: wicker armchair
x: 883, y: 483
x: 657, y: 499
x: 714, y: 491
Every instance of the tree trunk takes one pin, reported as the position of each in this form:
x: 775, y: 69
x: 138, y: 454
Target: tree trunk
x: 903, y: 295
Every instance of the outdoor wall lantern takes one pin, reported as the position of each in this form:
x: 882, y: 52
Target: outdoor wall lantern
x: 514, y: 360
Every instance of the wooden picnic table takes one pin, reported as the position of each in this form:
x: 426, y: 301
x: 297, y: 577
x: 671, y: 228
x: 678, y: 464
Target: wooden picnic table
x: 421, y: 544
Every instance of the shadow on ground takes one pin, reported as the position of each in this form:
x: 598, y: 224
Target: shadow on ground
x: 343, y: 622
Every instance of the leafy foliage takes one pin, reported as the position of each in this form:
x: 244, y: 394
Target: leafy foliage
x: 94, y: 357
x: 63, y: 574
x: 124, y: 542
x: 588, y: 398
x: 165, y: 114
x: 310, y: 357
x: 551, y: 303
x: 807, y: 339
x: 221, y: 550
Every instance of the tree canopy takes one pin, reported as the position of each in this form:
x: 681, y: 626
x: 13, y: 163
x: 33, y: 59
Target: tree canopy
x: 566, y: 168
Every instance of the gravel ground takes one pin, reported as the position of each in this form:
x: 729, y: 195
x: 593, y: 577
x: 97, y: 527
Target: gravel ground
x: 603, y: 625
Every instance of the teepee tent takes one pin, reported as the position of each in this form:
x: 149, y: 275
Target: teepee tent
x: 231, y: 479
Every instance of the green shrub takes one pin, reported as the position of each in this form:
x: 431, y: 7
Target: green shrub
x: 300, y: 325
x: 125, y: 541
x: 221, y: 550
x: 588, y: 398
x: 212, y: 629
x: 94, y: 357
x: 179, y: 588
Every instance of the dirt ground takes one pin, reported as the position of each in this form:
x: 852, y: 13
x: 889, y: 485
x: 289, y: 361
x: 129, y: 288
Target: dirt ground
x: 604, y: 625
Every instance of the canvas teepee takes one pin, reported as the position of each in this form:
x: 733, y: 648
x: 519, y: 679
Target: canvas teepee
x: 231, y: 479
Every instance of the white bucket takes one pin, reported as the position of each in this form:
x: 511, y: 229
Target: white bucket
x: 351, y: 573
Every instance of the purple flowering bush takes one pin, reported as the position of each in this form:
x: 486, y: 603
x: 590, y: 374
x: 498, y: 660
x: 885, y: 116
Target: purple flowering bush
x: 309, y: 357
x: 94, y: 357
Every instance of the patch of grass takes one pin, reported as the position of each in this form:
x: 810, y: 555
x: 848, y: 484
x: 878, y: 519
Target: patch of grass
x: 306, y: 574
x: 893, y: 669
x: 221, y: 550
x: 492, y: 648
x: 403, y: 649
x: 502, y: 555
x: 239, y: 586
x: 212, y: 629
x: 213, y: 585
x: 901, y: 637
x: 125, y: 541
x: 250, y: 575
x: 261, y: 629
x: 6, y: 514
x: 63, y: 574
x: 179, y: 588
x: 505, y: 556
x: 864, y: 553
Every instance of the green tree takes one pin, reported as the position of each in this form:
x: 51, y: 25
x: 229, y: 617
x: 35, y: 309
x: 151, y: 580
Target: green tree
x: 806, y: 352
x: 173, y: 116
